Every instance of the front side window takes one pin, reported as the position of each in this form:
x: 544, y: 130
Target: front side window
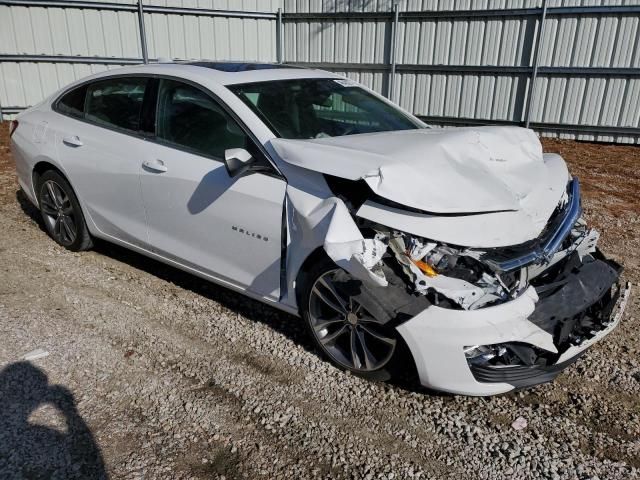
x: 189, y: 118
x: 316, y: 108
x: 116, y: 102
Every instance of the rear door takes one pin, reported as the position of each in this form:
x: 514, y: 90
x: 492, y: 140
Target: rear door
x: 99, y: 145
x: 226, y: 227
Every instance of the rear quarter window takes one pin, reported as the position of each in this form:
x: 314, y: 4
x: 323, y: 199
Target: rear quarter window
x: 72, y: 103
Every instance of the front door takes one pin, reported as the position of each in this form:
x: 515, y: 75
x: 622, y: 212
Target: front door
x: 197, y: 214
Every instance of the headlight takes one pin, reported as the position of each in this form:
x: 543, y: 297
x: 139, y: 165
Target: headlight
x: 450, y: 277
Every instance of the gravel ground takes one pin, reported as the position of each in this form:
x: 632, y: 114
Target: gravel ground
x: 152, y: 373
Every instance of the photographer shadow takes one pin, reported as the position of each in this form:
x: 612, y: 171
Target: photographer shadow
x: 33, y: 451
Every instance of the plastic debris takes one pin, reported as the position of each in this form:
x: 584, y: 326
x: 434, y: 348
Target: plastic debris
x: 519, y: 423
x: 35, y: 354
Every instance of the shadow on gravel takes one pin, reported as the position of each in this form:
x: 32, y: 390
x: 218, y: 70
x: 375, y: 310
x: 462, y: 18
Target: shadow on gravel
x: 29, y: 450
x: 283, y: 323
x: 30, y: 210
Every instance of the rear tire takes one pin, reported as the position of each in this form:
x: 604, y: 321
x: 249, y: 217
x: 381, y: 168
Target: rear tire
x: 61, y: 212
x: 342, y: 331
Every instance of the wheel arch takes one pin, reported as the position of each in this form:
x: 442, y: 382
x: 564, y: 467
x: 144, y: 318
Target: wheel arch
x: 81, y: 240
x: 316, y: 255
x: 42, y: 166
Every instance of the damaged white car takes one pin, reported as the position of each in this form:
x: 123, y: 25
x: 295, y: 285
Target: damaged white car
x: 459, y: 253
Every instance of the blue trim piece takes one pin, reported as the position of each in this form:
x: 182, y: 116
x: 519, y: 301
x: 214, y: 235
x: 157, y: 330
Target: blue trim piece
x: 554, y: 241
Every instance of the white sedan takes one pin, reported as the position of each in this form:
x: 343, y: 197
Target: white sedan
x: 459, y: 254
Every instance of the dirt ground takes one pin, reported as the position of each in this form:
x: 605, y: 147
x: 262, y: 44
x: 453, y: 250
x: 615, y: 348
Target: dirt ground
x: 152, y: 373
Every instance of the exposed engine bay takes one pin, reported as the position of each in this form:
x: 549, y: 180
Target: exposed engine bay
x: 463, y: 278
x: 469, y: 278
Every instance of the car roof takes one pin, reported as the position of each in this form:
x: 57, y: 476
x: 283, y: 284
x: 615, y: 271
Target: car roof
x: 236, y: 66
x: 224, y: 73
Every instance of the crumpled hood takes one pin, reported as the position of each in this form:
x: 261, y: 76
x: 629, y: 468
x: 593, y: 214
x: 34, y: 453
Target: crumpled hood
x: 445, y: 171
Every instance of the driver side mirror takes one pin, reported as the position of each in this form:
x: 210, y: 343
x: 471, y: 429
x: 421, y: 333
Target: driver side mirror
x: 237, y: 161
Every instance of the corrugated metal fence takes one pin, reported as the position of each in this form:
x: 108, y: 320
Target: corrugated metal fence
x: 567, y: 67
x: 470, y: 62
x: 46, y: 44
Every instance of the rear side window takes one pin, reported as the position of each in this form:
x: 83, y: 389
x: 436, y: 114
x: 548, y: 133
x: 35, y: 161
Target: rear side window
x: 72, y: 103
x: 190, y: 118
x: 116, y: 102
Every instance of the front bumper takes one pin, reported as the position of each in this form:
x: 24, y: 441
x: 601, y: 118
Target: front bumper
x: 554, y: 324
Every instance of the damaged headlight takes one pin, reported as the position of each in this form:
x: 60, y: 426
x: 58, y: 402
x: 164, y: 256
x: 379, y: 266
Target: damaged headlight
x: 448, y: 276
x: 472, y: 278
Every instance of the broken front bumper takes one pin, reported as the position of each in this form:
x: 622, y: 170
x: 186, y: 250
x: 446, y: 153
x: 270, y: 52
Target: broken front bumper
x: 553, y: 323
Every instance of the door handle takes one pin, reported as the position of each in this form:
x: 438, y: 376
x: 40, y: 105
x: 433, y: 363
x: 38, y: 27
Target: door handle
x: 72, y: 141
x: 154, y: 165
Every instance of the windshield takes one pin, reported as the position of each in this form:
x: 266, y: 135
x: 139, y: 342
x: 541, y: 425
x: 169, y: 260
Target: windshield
x: 316, y: 108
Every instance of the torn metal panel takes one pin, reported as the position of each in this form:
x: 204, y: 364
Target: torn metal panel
x: 488, y: 230
x: 346, y: 246
x: 324, y: 220
x: 489, y: 168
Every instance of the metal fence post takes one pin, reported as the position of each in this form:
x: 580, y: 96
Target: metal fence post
x: 536, y: 61
x: 392, y: 53
x: 143, y: 34
x: 279, y: 37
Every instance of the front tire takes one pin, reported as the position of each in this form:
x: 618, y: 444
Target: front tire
x: 342, y: 330
x: 61, y: 212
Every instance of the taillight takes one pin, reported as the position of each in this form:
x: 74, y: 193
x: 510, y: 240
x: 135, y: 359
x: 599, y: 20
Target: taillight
x: 13, y: 124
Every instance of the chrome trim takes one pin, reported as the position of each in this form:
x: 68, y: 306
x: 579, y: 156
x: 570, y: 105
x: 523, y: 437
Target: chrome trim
x: 553, y: 243
x: 573, y: 214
